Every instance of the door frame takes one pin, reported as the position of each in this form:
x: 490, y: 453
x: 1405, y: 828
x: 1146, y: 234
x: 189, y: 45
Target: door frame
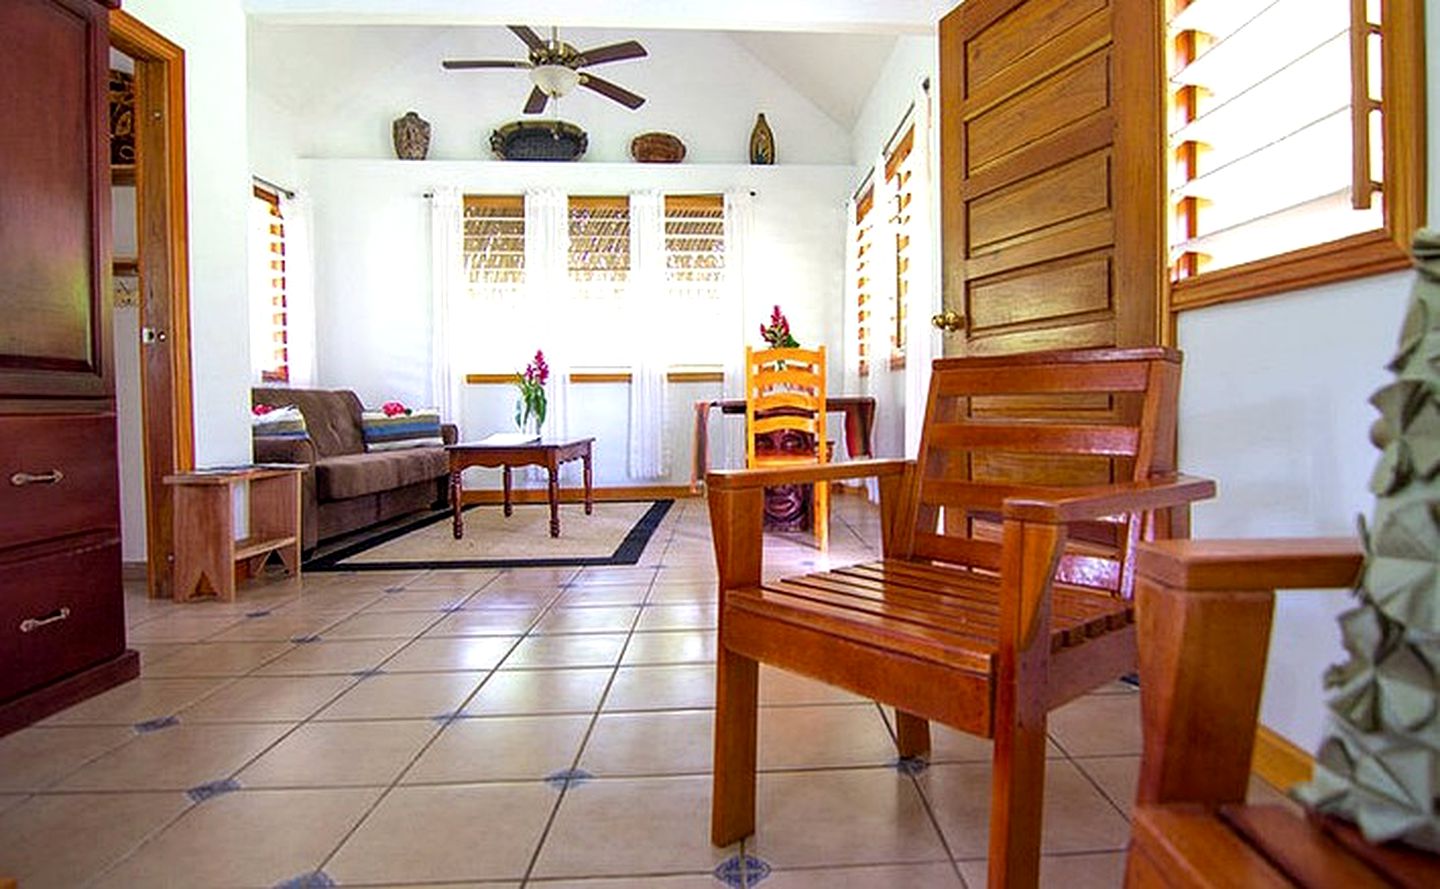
x: 166, y: 397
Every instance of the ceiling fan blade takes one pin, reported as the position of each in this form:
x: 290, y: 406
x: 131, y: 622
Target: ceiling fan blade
x: 611, y: 91
x: 531, y: 39
x: 536, y: 103
x: 615, y: 52
x: 458, y: 64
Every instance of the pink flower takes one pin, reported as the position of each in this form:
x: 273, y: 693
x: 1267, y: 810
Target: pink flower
x: 261, y: 410
x: 538, y: 371
x: 394, y: 409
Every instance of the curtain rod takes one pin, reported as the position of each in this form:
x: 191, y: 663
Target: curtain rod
x: 261, y: 180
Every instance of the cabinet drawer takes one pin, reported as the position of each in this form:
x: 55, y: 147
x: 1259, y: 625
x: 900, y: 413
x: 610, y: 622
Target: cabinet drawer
x: 57, y: 476
x: 59, y: 613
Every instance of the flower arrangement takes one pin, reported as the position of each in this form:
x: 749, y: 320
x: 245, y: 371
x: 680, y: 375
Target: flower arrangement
x: 778, y: 333
x: 531, y: 384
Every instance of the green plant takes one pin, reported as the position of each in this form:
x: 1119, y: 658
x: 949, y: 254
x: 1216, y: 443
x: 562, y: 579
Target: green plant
x: 531, y: 384
x: 1379, y: 766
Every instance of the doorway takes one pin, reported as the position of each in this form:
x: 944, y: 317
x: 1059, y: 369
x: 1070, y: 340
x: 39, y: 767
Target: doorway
x: 157, y: 406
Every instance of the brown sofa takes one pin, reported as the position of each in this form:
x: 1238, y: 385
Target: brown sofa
x: 347, y: 488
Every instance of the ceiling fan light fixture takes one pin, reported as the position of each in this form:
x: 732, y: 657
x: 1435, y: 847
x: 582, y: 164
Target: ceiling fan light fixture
x: 555, y: 80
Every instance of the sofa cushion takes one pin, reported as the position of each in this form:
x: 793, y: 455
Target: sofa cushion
x: 332, y: 417
x: 355, y: 475
x: 279, y: 422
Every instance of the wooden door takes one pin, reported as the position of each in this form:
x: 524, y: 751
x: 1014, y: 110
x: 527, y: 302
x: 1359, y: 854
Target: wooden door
x: 1051, y: 174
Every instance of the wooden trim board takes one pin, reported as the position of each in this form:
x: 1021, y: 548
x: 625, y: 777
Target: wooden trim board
x: 1279, y: 762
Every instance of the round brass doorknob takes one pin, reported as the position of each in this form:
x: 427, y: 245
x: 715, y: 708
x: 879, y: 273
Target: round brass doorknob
x: 948, y: 320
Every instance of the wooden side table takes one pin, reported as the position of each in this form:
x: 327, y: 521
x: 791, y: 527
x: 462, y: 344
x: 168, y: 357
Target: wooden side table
x: 206, y: 551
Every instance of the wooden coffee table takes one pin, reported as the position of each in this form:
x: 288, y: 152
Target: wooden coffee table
x: 549, y: 454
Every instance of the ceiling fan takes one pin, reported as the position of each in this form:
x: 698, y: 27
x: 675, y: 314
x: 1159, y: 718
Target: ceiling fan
x: 554, y: 68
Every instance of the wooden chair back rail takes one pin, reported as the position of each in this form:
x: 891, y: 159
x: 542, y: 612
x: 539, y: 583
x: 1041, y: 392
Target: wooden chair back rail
x: 785, y: 393
x: 985, y: 611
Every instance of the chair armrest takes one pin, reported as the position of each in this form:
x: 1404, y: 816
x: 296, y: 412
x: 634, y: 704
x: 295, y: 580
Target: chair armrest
x: 1060, y: 505
x: 743, y: 479
x: 275, y: 449
x: 1252, y: 564
x: 449, y: 433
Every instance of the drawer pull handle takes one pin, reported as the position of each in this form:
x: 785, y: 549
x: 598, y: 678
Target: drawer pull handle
x: 21, y: 479
x: 31, y: 624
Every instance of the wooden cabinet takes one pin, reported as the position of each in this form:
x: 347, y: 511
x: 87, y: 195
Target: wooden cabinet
x: 62, y: 627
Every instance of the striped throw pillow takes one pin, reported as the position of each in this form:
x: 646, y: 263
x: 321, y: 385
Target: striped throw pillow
x: 417, y: 429
x: 282, y: 422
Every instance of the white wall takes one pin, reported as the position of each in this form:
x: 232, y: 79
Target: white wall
x: 345, y: 85
x: 372, y: 256
x: 1274, y: 406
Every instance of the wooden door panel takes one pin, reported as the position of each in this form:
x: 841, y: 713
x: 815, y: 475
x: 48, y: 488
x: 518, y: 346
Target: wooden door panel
x: 1050, y: 105
x: 1068, y: 287
x: 1017, y: 33
x: 1069, y: 192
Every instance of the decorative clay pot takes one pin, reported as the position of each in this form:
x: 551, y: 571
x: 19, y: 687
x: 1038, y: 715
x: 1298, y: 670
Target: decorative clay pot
x: 412, y: 137
x: 762, y: 143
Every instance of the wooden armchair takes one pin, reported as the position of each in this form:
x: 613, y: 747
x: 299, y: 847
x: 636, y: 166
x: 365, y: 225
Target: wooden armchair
x: 1203, y: 610
x: 785, y: 400
x: 996, y: 600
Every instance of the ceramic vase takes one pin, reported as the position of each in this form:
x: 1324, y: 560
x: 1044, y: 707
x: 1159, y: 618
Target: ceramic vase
x: 412, y: 137
x: 762, y: 142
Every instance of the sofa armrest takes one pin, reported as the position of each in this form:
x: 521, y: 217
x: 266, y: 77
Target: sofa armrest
x: 449, y: 433
x: 275, y: 449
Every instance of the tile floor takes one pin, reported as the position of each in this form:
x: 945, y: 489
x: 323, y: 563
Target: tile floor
x: 535, y: 727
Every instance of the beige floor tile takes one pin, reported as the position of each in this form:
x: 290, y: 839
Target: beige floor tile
x: 176, y: 758
x: 404, y: 696
x: 216, y: 659
x: 1078, y: 818
x: 532, y: 579
x: 181, y: 628
x: 464, y: 832
x: 663, y: 743
x: 669, y: 881
x: 444, y: 653
x: 676, y: 647
x: 540, y: 691
x: 340, y: 754
x: 332, y: 656
x: 500, y: 748
x: 702, y: 592
x: 36, y: 757
x: 466, y: 580
x: 279, y: 625
x: 908, y: 876
x: 68, y: 839
x: 152, y: 653
x: 247, y: 838
x: 535, y: 600
x: 391, y: 625
x: 633, y: 826
x: 856, y: 816
x: 11, y: 800
x: 485, y: 622
x: 1098, y: 725
x: 419, y: 600
x: 611, y: 594
x: 779, y: 688
x: 1118, y: 776
x: 1262, y: 793
x: 678, y: 616
x: 268, y: 699
x: 613, y: 575
x: 138, y: 701
x: 599, y: 619
x: 337, y: 600
x: 952, y: 745
x: 674, y: 687
x: 580, y: 650
x: 820, y: 737
x: 1094, y: 871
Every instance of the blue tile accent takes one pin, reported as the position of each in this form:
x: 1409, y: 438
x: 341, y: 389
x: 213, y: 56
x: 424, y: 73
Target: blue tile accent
x: 155, y: 725
x: 255, y: 614
x: 451, y: 609
x: 366, y: 674
x: 1131, y: 679
x: 394, y: 589
x: 313, y: 880
x: 446, y: 718
x: 910, y: 765
x: 305, y: 640
x: 203, y: 792
x: 740, y: 872
x: 567, y: 778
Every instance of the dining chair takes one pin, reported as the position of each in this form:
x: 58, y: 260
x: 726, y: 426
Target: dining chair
x: 997, y: 599
x: 785, y: 419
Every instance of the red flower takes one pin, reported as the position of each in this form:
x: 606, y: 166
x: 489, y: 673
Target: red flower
x: 261, y: 410
x: 394, y: 409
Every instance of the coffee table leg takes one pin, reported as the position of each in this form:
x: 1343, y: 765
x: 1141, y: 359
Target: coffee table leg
x: 589, y: 498
x: 459, y: 520
x: 554, y: 500
x: 508, y: 508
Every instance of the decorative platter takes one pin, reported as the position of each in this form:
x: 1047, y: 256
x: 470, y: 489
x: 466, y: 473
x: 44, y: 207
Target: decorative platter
x: 539, y: 140
x: 657, y: 148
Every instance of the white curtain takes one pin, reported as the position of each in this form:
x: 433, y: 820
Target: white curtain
x: 547, y: 288
x: 922, y: 341
x: 739, y: 221
x: 447, y: 286
x: 644, y: 302
x: 298, y: 213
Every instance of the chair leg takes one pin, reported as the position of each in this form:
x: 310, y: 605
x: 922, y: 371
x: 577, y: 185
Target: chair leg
x: 1017, y: 798
x: 912, y: 735
x: 732, y: 804
x: 821, y: 508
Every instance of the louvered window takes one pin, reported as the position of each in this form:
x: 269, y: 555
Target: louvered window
x: 270, y: 239
x: 494, y: 247
x: 900, y: 175
x: 863, y: 272
x: 1280, y: 133
x: 599, y: 245
x: 695, y: 246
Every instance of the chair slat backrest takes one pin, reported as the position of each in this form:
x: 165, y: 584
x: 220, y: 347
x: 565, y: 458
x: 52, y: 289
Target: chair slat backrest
x: 784, y: 392
x: 1001, y: 426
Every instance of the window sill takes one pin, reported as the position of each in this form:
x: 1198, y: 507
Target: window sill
x: 1357, y: 256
